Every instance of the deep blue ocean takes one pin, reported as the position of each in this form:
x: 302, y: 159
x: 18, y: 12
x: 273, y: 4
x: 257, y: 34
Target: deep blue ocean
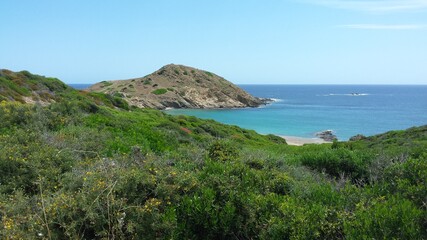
x: 303, y: 110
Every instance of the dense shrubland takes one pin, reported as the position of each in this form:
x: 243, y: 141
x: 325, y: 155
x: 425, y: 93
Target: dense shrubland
x: 68, y: 170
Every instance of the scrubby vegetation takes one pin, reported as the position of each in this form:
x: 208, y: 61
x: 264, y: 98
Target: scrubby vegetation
x: 106, y: 84
x: 165, y: 88
x: 160, y: 91
x: 209, y: 74
x: 86, y: 168
x: 26, y: 87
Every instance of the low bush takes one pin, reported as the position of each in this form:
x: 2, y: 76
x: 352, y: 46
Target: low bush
x: 222, y: 151
x: 381, y: 218
x: 338, y: 161
x: 160, y: 91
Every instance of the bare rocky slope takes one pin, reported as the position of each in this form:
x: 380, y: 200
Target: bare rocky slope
x: 178, y: 86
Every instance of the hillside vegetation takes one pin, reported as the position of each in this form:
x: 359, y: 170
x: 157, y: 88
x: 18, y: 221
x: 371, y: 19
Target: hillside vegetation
x: 25, y: 87
x: 179, y: 86
x: 85, y: 167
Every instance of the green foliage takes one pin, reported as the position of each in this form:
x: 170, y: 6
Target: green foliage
x: 338, y: 161
x: 203, y: 216
x: 160, y: 91
x: 222, y: 151
x: 82, y: 168
x: 17, y: 86
x: 381, y: 218
x: 276, y: 139
x: 119, y: 95
x: 409, y: 142
x: 409, y: 179
x: 106, y: 84
x: 106, y: 99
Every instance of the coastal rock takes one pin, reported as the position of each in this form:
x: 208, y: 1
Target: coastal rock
x: 178, y: 86
x: 357, y: 137
x: 327, y: 135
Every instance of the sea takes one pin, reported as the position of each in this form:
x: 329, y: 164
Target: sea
x: 304, y: 110
x: 80, y: 86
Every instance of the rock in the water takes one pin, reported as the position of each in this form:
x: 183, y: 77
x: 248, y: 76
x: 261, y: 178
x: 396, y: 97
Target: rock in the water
x: 177, y: 86
x: 327, y: 135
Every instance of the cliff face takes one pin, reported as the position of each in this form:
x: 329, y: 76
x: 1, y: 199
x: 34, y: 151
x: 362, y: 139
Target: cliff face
x: 178, y: 86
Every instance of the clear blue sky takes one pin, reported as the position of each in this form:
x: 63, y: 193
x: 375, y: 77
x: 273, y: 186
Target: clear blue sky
x: 245, y: 41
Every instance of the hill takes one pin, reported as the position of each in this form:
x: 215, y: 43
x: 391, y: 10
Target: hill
x: 178, y: 86
x: 28, y: 88
x: 81, y: 167
x: 25, y: 87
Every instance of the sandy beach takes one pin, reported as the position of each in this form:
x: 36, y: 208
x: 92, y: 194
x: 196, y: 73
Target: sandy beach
x: 299, y: 141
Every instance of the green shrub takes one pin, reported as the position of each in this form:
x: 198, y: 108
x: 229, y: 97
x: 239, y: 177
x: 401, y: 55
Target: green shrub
x: 17, y: 219
x: 202, y: 216
x: 393, y: 218
x: 106, y: 84
x: 255, y: 163
x: 280, y: 184
x: 222, y: 151
x: 408, y: 179
x: 300, y: 220
x: 336, y: 161
x: 119, y: 95
x: 276, y: 139
x: 159, y: 91
x: 16, y: 173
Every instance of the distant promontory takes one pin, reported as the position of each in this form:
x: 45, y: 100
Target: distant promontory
x: 178, y: 86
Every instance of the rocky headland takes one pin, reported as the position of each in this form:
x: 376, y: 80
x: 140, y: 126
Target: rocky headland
x: 178, y: 86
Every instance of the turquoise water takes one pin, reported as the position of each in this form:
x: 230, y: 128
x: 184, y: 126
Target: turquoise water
x: 303, y: 110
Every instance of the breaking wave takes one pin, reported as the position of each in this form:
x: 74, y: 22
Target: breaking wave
x: 345, y: 94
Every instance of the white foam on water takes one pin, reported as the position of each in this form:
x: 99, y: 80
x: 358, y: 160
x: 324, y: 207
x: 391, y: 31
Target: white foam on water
x: 345, y: 94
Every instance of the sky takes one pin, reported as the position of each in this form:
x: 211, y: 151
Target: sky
x: 245, y: 41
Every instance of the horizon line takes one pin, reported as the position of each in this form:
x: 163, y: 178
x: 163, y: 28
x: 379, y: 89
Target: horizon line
x: 349, y: 84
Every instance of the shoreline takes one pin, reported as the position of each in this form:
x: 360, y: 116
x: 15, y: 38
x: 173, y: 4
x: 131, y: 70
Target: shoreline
x: 299, y: 141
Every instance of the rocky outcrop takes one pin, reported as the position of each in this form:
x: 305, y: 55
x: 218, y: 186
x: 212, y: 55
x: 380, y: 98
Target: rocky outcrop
x: 358, y: 137
x: 327, y: 135
x: 177, y: 86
